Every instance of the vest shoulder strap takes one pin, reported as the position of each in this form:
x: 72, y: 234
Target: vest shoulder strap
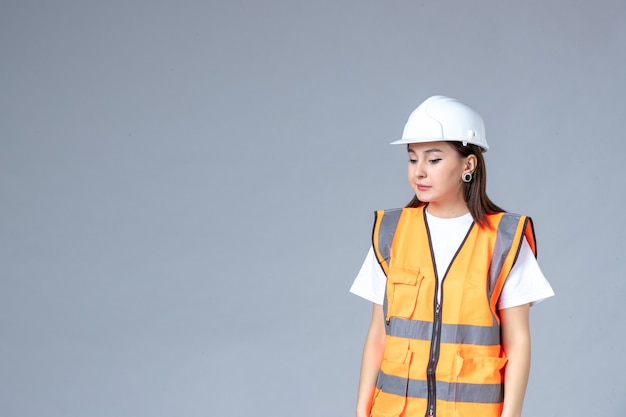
x: 385, y: 224
x: 511, y: 231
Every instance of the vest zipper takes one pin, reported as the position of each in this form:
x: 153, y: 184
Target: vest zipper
x: 434, y: 358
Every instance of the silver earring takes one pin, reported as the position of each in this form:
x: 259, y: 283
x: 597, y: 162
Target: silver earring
x: 467, y: 177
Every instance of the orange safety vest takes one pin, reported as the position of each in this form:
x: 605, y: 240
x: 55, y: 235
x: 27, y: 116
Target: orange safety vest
x: 443, y: 358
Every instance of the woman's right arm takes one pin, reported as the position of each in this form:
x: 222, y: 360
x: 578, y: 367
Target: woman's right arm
x: 370, y: 363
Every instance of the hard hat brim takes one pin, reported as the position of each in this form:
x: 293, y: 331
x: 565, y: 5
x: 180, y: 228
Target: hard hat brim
x: 406, y: 141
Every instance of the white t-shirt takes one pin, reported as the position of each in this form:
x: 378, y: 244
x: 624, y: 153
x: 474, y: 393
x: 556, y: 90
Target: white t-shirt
x: 525, y: 283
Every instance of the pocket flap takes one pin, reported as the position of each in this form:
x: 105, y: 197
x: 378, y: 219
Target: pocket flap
x: 403, y: 275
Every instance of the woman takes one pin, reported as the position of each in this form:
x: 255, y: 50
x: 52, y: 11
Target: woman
x: 452, y: 278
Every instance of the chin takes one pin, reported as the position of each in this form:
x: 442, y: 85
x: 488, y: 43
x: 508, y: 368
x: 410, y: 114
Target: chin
x: 421, y: 197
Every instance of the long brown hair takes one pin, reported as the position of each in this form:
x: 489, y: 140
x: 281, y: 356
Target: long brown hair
x: 475, y: 191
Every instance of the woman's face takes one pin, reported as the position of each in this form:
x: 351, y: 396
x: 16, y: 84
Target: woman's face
x: 435, y: 174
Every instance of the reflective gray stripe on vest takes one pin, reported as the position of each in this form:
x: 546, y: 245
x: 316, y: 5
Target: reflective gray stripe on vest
x: 453, y: 392
x: 504, y: 240
x: 386, y: 232
x: 450, y: 333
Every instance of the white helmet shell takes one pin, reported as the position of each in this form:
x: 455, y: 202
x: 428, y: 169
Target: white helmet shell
x: 444, y: 118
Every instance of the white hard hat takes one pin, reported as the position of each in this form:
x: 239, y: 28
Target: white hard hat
x: 444, y: 118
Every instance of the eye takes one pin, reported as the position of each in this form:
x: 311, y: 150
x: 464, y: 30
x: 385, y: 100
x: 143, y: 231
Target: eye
x: 434, y: 161
x: 412, y: 161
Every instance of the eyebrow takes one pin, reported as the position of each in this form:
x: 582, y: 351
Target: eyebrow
x: 431, y: 150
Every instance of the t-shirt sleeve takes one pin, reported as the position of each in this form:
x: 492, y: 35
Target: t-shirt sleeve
x: 525, y: 283
x: 370, y: 282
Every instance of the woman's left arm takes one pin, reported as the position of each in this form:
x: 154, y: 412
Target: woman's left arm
x: 516, y: 345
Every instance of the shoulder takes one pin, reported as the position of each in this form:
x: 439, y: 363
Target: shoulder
x: 390, y: 218
x: 507, y: 219
x: 390, y: 210
x: 398, y: 211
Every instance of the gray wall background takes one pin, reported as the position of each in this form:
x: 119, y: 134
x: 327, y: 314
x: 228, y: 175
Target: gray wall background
x: 187, y: 192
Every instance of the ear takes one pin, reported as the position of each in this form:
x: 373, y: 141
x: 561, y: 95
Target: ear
x: 470, y: 163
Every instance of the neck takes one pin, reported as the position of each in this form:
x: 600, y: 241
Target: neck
x: 447, y: 212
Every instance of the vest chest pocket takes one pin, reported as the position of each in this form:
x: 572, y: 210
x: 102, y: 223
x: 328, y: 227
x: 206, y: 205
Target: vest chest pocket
x: 403, y: 286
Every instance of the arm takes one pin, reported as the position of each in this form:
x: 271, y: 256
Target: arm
x: 516, y: 345
x: 370, y: 363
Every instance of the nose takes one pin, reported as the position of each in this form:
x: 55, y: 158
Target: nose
x: 418, y: 170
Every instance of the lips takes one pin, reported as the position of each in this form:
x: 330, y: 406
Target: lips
x: 423, y: 187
